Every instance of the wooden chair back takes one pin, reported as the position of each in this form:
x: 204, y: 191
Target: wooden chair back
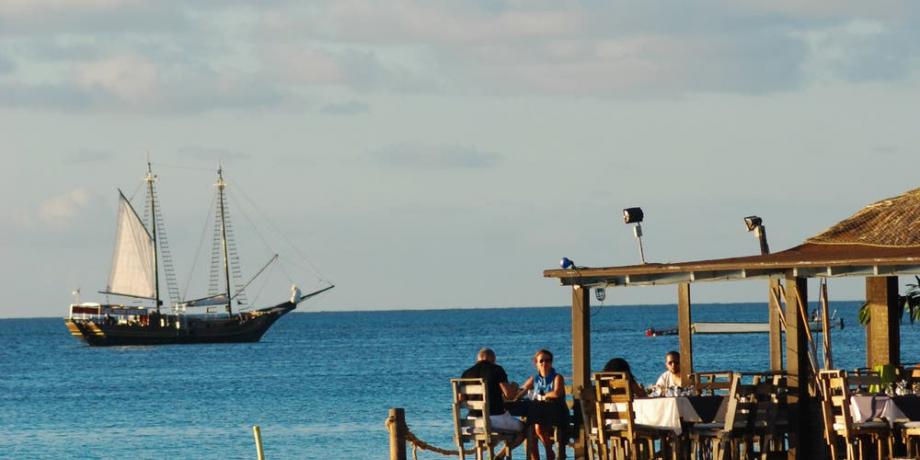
x: 471, y: 417
x: 863, y: 381
x: 913, y: 380
x: 835, y: 398
x: 614, y: 417
x: 744, y: 405
x: 712, y: 383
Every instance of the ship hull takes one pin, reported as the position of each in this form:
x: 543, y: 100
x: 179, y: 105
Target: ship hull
x: 180, y: 329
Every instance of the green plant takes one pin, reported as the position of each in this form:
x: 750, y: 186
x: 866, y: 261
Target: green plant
x: 910, y: 301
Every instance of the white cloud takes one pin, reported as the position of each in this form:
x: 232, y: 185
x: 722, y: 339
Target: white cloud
x: 36, y: 7
x: 60, y: 210
x: 131, y: 78
x: 435, y: 157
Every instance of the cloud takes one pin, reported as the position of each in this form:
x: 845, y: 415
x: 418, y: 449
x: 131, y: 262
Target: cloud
x: 89, y: 157
x: 141, y: 56
x: 213, y: 155
x: 138, y: 84
x: 428, y: 157
x: 6, y: 65
x: 130, y: 78
x: 345, y: 108
x: 862, y: 51
x: 60, y: 210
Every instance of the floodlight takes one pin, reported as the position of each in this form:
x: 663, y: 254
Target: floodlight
x: 752, y: 222
x: 635, y: 216
x: 755, y: 224
x: 632, y: 215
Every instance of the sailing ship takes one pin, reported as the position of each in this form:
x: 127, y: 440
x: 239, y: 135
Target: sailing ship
x: 140, y: 250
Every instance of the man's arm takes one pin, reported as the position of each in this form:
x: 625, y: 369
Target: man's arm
x: 509, y: 390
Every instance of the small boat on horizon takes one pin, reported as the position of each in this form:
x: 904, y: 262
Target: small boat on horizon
x: 814, y: 323
x: 139, y: 257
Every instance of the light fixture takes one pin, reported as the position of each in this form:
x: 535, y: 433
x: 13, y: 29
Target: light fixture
x: 635, y: 216
x: 755, y: 224
x: 567, y: 264
x: 752, y: 222
x: 600, y: 293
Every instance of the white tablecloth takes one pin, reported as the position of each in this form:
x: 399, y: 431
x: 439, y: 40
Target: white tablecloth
x: 665, y: 412
x: 867, y: 407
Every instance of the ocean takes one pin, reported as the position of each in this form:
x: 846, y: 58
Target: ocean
x: 320, y: 384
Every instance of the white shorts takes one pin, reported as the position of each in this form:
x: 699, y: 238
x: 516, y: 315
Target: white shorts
x: 506, y: 423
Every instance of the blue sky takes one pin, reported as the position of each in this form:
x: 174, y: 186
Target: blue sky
x: 442, y: 154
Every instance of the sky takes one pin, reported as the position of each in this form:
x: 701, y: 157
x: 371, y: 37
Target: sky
x: 443, y: 154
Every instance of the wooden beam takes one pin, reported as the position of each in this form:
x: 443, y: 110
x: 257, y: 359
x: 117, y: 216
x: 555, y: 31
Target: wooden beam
x: 883, y: 340
x: 581, y: 351
x: 581, y: 336
x: 797, y: 366
x: 776, y: 328
x: 683, y: 327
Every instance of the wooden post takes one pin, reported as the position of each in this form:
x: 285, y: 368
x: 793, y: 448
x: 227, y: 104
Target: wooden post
x: 257, y: 433
x: 581, y: 349
x: 683, y: 328
x: 776, y: 328
x: 397, y: 419
x: 826, y: 326
x: 883, y: 339
x: 797, y: 365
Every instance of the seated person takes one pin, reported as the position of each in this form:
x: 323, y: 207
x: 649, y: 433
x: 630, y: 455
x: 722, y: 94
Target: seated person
x: 548, y: 408
x: 620, y: 365
x: 671, y: 377
x: 499, y: 389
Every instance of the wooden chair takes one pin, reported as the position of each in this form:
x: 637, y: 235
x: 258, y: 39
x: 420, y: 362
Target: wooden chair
x: 618, y: 435
x: 838, y: 421
x: 712, y: 383
x: 749, y: 421
x: 586, y: 405
x: 863, y: 381
x: 475, y: 426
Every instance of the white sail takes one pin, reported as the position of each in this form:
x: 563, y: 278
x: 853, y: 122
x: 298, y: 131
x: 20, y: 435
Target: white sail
x: 133, y: 260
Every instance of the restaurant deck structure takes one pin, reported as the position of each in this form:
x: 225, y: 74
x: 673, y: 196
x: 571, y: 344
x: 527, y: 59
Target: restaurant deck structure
x: 879, y: 243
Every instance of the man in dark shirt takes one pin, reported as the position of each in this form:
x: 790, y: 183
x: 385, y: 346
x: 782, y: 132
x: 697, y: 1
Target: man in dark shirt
x: 498, y: 388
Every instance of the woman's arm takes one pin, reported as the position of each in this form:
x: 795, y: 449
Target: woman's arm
x: 558, y: 388
x: 528, y: 384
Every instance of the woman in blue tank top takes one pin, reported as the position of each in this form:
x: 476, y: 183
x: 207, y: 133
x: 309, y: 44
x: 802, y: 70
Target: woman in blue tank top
x: 548, y: 401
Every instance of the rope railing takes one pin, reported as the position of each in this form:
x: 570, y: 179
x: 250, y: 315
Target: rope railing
x: 402, y: 430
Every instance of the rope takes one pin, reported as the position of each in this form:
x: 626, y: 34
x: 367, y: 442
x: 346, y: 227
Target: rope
x: 420, y: 444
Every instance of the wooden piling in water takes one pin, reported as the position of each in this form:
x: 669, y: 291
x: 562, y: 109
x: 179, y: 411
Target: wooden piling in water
x: 397, y: 419
x: 257, y: 433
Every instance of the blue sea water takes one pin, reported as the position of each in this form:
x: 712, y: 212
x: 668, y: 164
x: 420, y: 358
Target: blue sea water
x: 320, y: 384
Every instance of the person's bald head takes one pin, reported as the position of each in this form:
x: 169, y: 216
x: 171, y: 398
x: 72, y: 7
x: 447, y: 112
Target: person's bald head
x: 486, y: 354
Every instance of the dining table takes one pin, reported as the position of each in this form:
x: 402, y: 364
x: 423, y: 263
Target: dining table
x: 897, y: 408
x: 673, y: 412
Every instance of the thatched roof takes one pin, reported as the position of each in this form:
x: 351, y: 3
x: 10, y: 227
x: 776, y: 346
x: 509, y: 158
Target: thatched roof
x: 892, y: 222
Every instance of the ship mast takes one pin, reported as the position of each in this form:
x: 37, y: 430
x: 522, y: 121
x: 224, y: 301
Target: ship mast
x: 153, y: 225
x: 223, y: 235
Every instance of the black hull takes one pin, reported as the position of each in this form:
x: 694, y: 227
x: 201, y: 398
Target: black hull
x: 239, y: 328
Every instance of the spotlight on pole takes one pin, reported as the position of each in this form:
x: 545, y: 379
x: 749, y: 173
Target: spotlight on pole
x: 755, y: 224
x: 567, y: 264
x: 635, y: 216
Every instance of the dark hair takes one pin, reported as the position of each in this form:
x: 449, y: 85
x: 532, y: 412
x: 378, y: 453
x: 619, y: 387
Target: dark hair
x: 617, y: 365
x: 543, y: 351
x: 672, y: 354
